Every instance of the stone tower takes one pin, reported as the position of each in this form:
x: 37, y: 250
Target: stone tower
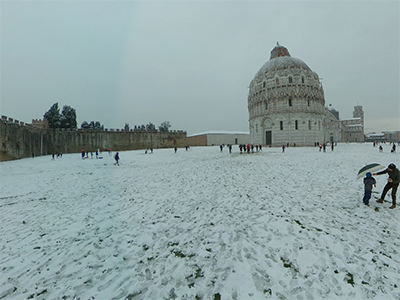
x: 359, y: 113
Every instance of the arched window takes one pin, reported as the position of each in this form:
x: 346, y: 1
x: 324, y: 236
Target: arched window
x: 308, y: 102
x: 309, y: 125
x: 277, y: 80
x: 290, y: 79
x: 296, y: 125
x: 302, y: 79
x: 281, y: 125
x: 264, y: 84
x: 290, y: 101
x: 266, y: 105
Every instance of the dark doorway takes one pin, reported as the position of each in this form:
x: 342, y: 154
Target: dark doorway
x: 268, y: 137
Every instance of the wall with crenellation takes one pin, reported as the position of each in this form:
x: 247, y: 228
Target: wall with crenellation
x: 20, y: 140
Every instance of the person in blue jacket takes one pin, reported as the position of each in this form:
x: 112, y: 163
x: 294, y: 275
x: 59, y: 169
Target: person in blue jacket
x: 369, y: 181
x: 116, y: 157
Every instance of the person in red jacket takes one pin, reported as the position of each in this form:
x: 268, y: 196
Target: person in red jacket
x: 393, y: 183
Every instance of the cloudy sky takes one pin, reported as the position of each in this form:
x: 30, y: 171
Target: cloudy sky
x: 191, y: 62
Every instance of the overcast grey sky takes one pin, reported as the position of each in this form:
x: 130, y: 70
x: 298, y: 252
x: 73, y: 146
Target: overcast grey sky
x: 191, y: 62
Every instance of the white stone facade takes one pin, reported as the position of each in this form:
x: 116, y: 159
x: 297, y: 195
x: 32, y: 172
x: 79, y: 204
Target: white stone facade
x: 287, y: 106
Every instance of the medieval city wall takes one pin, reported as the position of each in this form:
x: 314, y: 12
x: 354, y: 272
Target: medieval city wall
x: 20, y: 140
x: 91, y: 140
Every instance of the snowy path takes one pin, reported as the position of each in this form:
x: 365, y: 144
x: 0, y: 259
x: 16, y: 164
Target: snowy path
x: 198, y: 224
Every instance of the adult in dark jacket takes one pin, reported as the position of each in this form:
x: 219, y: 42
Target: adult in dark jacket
x: 393, y: 183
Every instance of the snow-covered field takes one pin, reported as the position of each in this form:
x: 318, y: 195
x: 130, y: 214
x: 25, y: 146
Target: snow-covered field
x: 198, y: 224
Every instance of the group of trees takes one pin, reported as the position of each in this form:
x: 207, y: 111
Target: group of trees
x: 148, y: 127
x: 164, y: 127
x: 92, y: 125
x: 67, y: 119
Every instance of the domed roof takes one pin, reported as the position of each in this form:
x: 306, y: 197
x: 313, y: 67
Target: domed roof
x: 281, y: 59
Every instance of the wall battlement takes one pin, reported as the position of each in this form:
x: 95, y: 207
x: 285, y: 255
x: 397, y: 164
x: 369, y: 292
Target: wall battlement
x: 20, y: 140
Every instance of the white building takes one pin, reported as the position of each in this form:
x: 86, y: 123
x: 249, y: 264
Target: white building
x: 212, y: 138
x: 286, y: 105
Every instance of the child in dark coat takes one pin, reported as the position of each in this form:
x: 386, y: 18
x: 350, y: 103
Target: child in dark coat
x: 116, y: 157
x: 369, y: 181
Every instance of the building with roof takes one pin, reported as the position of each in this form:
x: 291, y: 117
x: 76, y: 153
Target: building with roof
x: 212, y: 138
x: 286, y: 105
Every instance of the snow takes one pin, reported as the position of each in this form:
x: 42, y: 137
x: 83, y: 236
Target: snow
x: 351, y: 119
x: 198, y: 224
x: 220, y: 132
x: 353, y: 125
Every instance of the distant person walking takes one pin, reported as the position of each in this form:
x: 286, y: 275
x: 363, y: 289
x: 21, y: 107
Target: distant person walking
x: 116, y: 157
x: 283, y: 148
x: 369, y: 181
x: 393, y: 183
x: 393, y: 148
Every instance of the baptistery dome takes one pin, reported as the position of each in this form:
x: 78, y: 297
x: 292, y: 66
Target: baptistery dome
x: 280, y: 59
x: 284, y: 62
x: 286, y: 102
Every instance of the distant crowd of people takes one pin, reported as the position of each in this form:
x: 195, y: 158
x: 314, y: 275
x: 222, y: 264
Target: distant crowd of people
x: 249, y: 148
x: 369, y: 181
x: 54, y: 155
x: 243, y: 148
x: 85, y: 154
x: 392, y: 150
